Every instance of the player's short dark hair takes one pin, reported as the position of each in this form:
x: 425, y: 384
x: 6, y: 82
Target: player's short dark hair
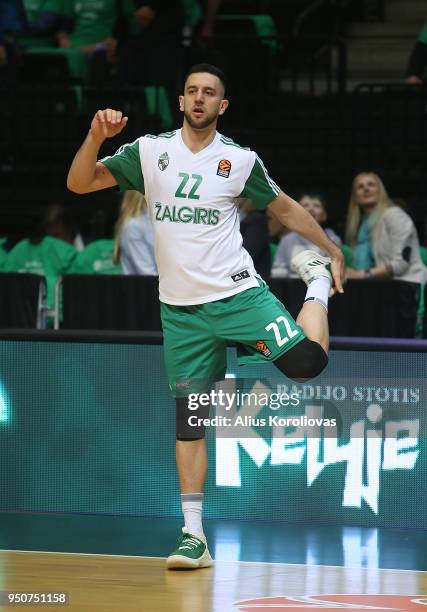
x: 211, y: 69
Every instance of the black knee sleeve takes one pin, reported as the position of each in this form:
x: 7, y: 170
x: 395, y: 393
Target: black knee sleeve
x: 305, y: 360
x: 187, y: 427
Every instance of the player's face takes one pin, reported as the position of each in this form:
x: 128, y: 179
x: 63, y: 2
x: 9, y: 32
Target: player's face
x: 315, y: 207
x: 202, y: 101
x: 367, y: 190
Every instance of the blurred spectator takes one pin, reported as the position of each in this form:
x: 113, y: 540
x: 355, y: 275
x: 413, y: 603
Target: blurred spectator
x: 382, y: 236
x: 58, y: 222
x: 96, y: 258
x: 12, y: 22
x: 44, y: 255
x: 292, y: 243
x: 402, y: 203
x: 200, y: 16
x: 134, y: 237
x: 200, y: 20
x: 207, y: 24
x: 152, y: 53
x: 254, y: 230
x: 94, y: 32
x: 43, y: 19
x: 417, y: 64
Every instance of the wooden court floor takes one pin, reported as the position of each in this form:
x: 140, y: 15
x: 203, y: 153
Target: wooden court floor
x: 132, y: 584
x: 259, y: 566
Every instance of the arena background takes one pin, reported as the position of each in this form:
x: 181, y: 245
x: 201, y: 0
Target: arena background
x: 89, y: 427
x: 319, y: 89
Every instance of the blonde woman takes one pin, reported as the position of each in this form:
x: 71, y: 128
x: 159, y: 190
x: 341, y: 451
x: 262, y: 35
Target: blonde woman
x: 134, y: 239
x: 382, y: 236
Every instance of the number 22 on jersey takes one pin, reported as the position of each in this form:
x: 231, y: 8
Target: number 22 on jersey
x: 196, y: 180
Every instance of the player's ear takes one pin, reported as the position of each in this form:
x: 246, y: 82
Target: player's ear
x: 223, y: 106
x: 181, y: 103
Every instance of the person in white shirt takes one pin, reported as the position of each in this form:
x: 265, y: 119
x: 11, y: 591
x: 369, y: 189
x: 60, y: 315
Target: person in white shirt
x: 292, y: 243
x: 209, y: 290
x: 133, y: 236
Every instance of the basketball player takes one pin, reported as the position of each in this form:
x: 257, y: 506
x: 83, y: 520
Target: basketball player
x: 209, y: 290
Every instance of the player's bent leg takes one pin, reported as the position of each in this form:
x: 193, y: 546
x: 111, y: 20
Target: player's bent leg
x: 304, y: 361
x: 313, y: 317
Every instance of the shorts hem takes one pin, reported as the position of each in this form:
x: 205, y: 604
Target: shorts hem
x: 176, y: 394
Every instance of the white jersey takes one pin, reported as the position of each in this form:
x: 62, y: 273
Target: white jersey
x: 192, y: 202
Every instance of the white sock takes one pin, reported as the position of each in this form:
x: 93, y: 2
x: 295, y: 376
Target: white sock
x: 192, y: 505
x: 318, y: 291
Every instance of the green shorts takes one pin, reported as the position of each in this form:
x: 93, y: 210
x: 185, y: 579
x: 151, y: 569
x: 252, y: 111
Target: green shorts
x: 195, y: 337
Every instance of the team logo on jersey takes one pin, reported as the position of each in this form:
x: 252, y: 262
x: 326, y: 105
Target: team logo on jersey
x: 263, y: 348
x: 224, y: 168
x: 240, y: 276
x: 163, y: 162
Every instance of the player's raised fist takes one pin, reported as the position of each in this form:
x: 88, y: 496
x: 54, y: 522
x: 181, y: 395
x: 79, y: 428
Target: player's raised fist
x: 107, y: 123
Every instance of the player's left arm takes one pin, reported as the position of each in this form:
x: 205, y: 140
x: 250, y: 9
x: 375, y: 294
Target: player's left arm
x: 297, y: 219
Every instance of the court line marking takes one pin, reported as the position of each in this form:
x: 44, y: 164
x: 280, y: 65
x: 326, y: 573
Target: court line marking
x: 344, y: 567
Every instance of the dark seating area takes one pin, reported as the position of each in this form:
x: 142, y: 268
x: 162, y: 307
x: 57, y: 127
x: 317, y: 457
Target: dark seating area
x: 22, y: 301
x: 382, y: 309
x: 110, y: 302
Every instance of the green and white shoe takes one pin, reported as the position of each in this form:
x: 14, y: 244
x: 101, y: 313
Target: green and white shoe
x: 191, y: 552
x: 309, y: 265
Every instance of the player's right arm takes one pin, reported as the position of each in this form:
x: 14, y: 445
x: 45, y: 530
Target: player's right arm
x: 86, y: 174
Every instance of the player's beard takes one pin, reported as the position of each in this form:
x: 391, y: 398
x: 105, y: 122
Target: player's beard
x: 200, y: 125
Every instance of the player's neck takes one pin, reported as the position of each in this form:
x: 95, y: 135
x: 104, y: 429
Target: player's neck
x: 197, y: 140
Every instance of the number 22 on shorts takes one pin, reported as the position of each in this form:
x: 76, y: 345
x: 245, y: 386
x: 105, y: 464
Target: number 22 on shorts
x: 281, y: 339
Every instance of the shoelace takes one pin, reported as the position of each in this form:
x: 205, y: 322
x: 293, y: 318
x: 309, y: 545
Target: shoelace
x: 189, y: 542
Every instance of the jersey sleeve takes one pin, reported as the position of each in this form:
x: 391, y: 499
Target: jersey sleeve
x: 125, y: 166
x: 259, y: 187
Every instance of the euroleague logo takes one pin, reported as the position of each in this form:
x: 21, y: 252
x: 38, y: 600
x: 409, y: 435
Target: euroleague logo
x: 224, y: 168
x: 397, y: 603
x: 263, y: 348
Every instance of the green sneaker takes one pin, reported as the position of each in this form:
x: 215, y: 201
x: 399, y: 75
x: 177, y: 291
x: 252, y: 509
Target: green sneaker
x: 191, y: 552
